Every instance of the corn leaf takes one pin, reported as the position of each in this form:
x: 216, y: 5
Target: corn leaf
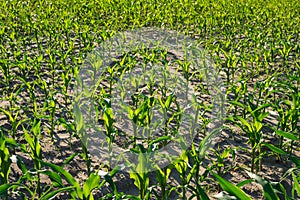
x: 231, y: 188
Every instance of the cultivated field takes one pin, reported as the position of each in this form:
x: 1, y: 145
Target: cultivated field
x: 45, y: 129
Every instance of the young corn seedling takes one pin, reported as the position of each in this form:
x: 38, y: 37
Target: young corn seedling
x: 108, y: 119
x: 66, y: 78
x: 182, y: 165
x: 166, y: 108
x: 92, y: 183
x: 264, y: 91
x: 198, y: 154
x: 81, y: 129
x: 52, y: 63
x: 222, y: 156
x: 35, y: 152
x: 141, y: 116
x: 5, y: 157
x: 288, y: 113
x: 284, y: 119
x: 285, y: 51
x: 5, y: 68
x: 240, y: 92
x: 253, y: 129
x: 162, y: 176
x: 230, y: 65
x: 112, y: 71
x: 26, y: 186
x: 13, y: 116
x: 185, y: 66
x: 140, y: 174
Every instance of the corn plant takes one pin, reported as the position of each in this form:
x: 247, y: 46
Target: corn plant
x: 253, y: 129
x: 288, y: 117
x: 231, y: 189
x: 231, y: 63
x: 198, y: 153
x: 12, y: 116
x: 93, y: 182
x: 140, y: 174
x: 5, y: 68
x: 182, y: 165
x: 28, y: 183
x: 43, y: 45
x: 6, y: 157
x: 81, y: 131
x: 166, y: 108
x: 141, y: 115
x: 221, y: 157
x: 66, y: 78
x: 35, y: 151
x: 162, y: 176
x: 110, y: 133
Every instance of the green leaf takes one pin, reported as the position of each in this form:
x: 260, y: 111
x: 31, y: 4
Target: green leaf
x: 206, y: 142
x: 52, y: 194
x: 36, y: 128
x: 198, y: 192
x: 137, y: 179
x: 78, y: 118
x: 295, y: 160
x: 236, y: 103
x: 246, y: 126
x: 4, y: 188
x: 159, y: 140
x: 168, y: 102
x: 269, y: 192
x: 67, y: 175
x: 258, y: 125
x: 296, y: 183
x: 226, y: 153
x: 69, y: 159
x: 274, y: 149
x: 261, y: 107
x: 55, y: 178
x: 231, y: 188
x: 91, y: 183
x: 11, y: 141
x: 131, y: 197
x: 262, y: 116
x: 108, y: 178
x: 22, y: 166
x: 11, y: 119
x: 286, y: 135
x: 142, y: 163
x: 241, y: 184
x: 108, y: 117
x: 28, y: 139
